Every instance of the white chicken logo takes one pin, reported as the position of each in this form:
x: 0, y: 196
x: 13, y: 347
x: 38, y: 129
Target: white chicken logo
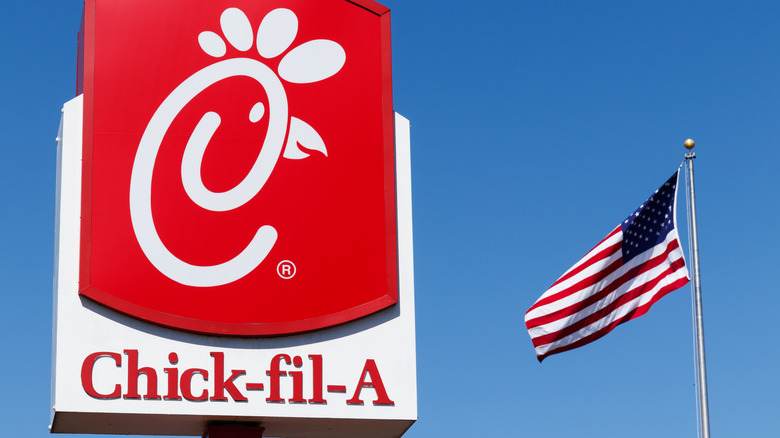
x: 309, y: 62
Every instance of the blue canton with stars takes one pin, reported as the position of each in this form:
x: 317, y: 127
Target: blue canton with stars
x: 651, y: 222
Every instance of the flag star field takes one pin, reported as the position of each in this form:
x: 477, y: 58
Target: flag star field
x: 651, y: 222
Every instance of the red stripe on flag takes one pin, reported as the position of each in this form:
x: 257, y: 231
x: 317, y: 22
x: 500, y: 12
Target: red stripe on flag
x: 586, y: 282
x: 594, y: 258
x: 583, y: 284
x: 639, y: 311
x: 606, y: 290
x: 627, y: 297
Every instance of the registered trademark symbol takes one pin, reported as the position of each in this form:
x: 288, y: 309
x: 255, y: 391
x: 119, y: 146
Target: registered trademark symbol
x: 286, y: 269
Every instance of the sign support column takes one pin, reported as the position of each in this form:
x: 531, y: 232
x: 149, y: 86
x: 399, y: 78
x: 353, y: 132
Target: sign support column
x: 233, y: 431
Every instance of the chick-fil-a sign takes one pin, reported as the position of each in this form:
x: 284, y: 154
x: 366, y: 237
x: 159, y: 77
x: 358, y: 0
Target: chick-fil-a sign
x: 238, y: 163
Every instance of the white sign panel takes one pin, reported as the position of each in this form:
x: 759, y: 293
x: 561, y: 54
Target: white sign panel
x: 115, y: 373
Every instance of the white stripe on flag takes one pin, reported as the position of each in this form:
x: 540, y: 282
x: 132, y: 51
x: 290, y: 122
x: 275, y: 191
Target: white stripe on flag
x: 581, y: 295
x: 613, y: 316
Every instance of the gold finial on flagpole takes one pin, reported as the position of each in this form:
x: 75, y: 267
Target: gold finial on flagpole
x: 689, y: 144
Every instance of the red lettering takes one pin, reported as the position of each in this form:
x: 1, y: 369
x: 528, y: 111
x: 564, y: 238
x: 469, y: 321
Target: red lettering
x: 180, y: 384
x: 173, y: 379
x: 186, y: 384
x: 86, y: 374
x: 297, y: 377
x: 316, y: 363
x: 220, y: 385
x: 275, y: 375
x: 370, y: 370
x: 133, y: 373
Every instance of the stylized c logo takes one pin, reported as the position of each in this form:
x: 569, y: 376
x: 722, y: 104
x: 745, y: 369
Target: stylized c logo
x: 143, y: 167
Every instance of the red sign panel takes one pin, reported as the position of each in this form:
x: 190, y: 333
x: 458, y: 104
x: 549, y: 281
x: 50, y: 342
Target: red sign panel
x: 238, y: 167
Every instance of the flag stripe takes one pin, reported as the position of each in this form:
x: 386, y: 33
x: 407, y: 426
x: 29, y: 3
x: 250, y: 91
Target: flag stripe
x: 635, y: 313
x: 609, y: 257
x: 607, y: 321
x: 595, y: 291
x: 584, y: 319
x: 575, y: 293
x: 605, y: 248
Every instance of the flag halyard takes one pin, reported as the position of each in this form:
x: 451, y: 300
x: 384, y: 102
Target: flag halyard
x: 638, y: 263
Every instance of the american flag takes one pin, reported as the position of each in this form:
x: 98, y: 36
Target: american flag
x: 639, y: 262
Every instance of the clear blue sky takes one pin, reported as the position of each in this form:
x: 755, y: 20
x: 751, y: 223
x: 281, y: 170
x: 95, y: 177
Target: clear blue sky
x: 536, y: 128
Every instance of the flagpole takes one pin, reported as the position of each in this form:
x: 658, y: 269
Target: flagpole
x: 702, y: 367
